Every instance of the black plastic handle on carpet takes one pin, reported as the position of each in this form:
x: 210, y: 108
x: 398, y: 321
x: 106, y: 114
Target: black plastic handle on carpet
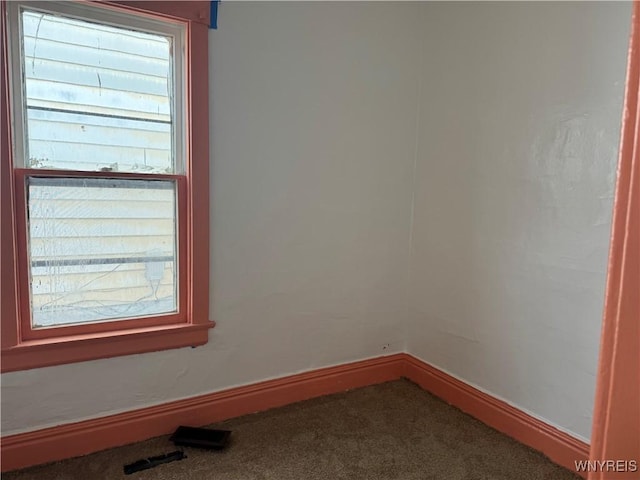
x: 151, y: 462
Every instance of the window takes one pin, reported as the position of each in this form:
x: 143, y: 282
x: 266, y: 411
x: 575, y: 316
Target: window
x: 105, y: 152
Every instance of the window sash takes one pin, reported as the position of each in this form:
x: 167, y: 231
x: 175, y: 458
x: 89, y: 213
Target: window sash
x: 101, y: 249
x: 108, y: 15
x: 28, y: 331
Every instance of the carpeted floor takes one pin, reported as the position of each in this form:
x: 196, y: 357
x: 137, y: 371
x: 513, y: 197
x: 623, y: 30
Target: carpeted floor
x: 390, y: 431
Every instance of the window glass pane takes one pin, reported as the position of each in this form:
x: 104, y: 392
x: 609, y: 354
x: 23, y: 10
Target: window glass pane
x: 101, y: 249
x: 97, y: 97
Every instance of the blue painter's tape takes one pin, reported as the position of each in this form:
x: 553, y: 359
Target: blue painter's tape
x: 213, y: 21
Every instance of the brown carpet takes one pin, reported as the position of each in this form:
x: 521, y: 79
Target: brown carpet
x: 390, y: 431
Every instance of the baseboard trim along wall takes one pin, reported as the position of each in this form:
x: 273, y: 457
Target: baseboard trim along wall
x: 559, y: 446
x: 81, y: 438
x: 75, y: 439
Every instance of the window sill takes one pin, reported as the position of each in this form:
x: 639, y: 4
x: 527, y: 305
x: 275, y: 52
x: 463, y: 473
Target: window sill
x: 78, y: 348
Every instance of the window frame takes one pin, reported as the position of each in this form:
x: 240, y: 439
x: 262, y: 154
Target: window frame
x: 20, y: 348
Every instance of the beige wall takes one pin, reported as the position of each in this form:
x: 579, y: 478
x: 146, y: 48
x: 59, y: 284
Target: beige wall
x: 521, y: 108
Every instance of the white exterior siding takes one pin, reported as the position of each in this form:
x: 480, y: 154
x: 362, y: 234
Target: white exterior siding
x: 101, y: 252
x: 96, y: 96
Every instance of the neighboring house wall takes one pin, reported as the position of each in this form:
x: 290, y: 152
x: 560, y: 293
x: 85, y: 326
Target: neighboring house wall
x: 119, y: 78
x: 314, y: 109
x: 104, y: 251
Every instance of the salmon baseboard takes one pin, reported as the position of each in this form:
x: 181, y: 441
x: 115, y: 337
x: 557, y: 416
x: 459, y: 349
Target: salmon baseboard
x: 559, y: 446
x: 88, y: 436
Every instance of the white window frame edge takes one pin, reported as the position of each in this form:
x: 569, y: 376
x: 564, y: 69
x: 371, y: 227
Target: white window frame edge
x: 109, y: 16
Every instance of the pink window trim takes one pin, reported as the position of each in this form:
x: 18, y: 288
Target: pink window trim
x: 19, y: 352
